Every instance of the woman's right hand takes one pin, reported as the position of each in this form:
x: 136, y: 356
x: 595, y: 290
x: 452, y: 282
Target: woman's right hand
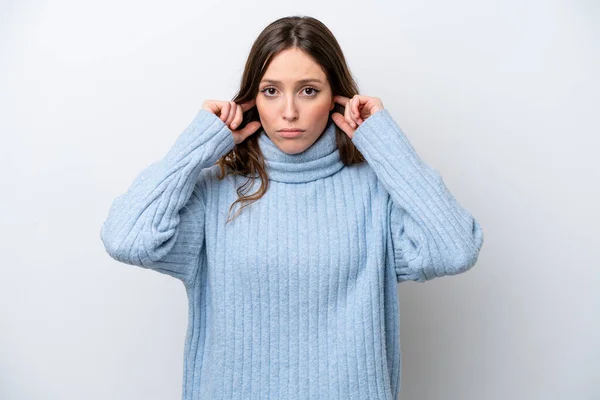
x: 232, y: 114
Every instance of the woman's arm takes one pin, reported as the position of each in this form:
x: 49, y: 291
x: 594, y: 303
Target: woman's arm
x: 432, y: 234
x: 159, y: 222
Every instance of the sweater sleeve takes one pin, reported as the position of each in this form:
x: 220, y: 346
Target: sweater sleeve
x: 158, y: 223
x: 432, y: 234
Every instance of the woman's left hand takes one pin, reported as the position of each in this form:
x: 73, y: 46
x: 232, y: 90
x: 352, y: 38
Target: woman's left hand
x: 358, y: 108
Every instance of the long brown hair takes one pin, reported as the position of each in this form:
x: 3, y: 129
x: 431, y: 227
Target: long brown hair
x: 314, y: 38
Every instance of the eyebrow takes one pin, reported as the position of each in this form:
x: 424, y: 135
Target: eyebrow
x: 300, y: 81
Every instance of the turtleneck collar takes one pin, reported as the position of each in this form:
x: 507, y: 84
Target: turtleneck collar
x: 320, y: 160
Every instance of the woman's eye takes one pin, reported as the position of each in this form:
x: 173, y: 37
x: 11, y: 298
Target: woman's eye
x: 267, y: 90
x: 271, y: 91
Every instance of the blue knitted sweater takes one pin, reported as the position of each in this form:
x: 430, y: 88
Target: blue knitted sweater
x: 296, y: 297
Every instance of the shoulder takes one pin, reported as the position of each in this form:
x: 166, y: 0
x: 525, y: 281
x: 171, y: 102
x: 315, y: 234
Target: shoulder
x: 363, y: 176
x: 211, y: 176
x: 208, y: 179
x: 361, y: 171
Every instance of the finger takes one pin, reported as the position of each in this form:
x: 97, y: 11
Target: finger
x: 347, y: 103
x: 224, y: 110
x: 248, y: 105
x: 232, y: 112
x: 348, y: 114
x: 249, y: 129
x: 341, y: 121
x: 216, y: 108
x: 355, y: 104
x: 239, y: 116
x: 355, y: 109
x: 341, y: 100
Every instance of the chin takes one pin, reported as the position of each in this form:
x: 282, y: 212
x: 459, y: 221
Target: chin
x: 292, y: 148
x: 289, y: 146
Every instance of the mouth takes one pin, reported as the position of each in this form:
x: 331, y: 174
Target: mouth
x: 290, y: 133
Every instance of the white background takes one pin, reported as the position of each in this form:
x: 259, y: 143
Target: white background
x: 501, y: 97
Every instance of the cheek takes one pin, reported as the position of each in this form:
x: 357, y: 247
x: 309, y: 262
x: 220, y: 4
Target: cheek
x: 324, y: 102
x: 265, y: 105
x: 320, y: 108
x: 264, y: 111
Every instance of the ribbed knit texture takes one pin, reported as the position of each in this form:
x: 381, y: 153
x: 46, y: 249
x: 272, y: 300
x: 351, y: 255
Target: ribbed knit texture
x: 296, y: 298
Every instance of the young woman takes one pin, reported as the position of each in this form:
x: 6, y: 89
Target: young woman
x: 290, y: 214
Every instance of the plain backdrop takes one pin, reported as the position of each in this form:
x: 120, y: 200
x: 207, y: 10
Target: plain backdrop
x: 501, y: 97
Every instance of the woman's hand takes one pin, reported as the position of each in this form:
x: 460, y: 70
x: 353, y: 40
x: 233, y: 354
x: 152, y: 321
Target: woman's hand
x: 358, y: 108
x: 232, y: 115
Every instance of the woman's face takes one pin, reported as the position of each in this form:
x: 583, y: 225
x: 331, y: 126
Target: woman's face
x: 294, y: 93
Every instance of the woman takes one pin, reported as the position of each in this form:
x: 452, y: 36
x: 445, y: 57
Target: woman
x: 295, y: 294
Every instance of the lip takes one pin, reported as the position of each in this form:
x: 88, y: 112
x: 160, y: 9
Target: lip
x: 290, y: 133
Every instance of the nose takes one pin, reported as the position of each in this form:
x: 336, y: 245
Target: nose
x: 290, y: 113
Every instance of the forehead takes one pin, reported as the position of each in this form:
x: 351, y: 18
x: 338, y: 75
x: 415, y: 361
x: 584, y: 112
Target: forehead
x: 292, y: 65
